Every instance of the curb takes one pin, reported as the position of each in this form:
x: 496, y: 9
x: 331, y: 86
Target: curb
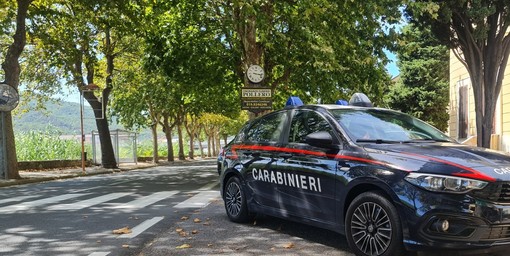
x: 79, y: 173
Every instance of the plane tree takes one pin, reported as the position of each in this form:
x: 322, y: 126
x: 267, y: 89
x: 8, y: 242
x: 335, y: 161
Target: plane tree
x: 79, y: 42
x: 12, y: 70
x: 477, y: 33
x: 319, y: 49
x: 185, y: 46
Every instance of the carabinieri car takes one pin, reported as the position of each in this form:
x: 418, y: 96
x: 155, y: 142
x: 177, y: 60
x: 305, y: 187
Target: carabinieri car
x: 387, y: 181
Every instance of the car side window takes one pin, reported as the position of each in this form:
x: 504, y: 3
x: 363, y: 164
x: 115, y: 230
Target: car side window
x: 306, y: 122
x: 267, y: 129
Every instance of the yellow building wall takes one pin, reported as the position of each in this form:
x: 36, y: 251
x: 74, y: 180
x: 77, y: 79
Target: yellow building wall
x: 501, y: 137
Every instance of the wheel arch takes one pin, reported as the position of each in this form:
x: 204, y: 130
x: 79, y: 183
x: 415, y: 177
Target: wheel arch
x: 229, y: 174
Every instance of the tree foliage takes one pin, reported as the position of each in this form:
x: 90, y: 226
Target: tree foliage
x: 422, y: 88
x: 79, y: 42
x: 319, y: 49
x: 11, y: 72
x: 477, y: 31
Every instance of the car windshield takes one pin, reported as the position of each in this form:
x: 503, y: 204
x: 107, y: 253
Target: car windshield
x: 385, y: 126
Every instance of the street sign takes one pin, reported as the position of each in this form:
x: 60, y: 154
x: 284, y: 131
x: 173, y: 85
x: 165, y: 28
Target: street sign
x: 251, y: 92
x: 257, y: 104
x: 256, y: 99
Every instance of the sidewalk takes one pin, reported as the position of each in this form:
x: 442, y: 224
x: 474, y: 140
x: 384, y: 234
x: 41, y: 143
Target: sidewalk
x: 56, y: 174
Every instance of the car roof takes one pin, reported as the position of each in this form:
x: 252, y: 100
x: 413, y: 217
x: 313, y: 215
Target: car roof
x: 334, y: 106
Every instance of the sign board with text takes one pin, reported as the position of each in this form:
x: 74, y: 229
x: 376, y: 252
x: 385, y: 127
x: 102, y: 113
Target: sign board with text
x: 256, y: 99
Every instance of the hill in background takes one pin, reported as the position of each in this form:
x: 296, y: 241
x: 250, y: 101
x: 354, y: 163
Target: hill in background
x: 63, y: 116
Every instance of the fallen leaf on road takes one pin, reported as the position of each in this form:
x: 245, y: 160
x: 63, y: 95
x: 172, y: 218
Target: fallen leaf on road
x: 125, y: 246
x: 288, y: 246
x: 209, y: 245
x: 124, y: 230
x: 197, y: 220
x: 178, y: 230
x: 184, y: 246
x: 194, y: 232
x: 207, y: 224
x: 184, y: 218
x: 183, y: 234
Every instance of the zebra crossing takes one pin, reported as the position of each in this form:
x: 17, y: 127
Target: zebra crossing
x: 80, y: 201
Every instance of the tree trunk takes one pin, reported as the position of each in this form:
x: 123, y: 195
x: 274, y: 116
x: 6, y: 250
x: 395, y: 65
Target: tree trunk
x: 191, y: 153
x: 188, y: 125
x: 154, y: 130
x: 218, y: 145
x: 99, y: 105
x: 167, y: 129
x: 170, y: 145
x: 209, y: 145
x: 202, y: 154
x: 212, y: 149
x: 107, y: 153
x: 108, y: 156
x: 181, y: 143
x: 12, y: 72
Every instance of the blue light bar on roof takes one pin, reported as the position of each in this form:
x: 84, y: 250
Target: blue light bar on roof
x: 294, y: 101
x: 342, y: 102
x: 361, y: 100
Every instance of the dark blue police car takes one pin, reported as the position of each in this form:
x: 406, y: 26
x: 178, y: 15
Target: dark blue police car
x: 386, y: 180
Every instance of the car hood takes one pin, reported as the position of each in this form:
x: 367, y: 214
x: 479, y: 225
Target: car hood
x: 445, y: 158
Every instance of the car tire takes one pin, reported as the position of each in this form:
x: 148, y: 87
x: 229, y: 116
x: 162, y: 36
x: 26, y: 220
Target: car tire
x: 372, y: 226
x: 235, y: 201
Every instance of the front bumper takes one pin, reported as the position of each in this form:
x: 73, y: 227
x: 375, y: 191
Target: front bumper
x: 453, y: 221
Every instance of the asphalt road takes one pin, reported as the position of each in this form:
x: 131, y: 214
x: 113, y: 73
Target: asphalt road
x: 209, y: 232
x: 78, y: 216
x: 167, y: 210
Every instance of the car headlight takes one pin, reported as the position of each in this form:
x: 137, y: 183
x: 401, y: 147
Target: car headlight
x: 441, y: 183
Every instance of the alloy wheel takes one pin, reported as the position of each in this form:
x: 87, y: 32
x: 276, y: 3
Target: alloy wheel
x: 371, y: 228
x: 233, y: 199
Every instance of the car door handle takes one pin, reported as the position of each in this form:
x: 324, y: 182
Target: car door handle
x: 285, y: 155
x: 252, y: 154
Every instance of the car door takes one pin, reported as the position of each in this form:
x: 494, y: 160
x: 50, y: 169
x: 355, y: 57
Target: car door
x: 259, y: 161
x: 308, y: 173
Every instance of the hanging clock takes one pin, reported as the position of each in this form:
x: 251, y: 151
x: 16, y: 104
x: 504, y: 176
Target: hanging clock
x: 255, y: 74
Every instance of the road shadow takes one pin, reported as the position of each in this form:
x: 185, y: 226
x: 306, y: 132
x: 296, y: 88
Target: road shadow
x: 209, y: 232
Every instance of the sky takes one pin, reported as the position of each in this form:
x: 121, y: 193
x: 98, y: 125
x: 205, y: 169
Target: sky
x: 391, y: 67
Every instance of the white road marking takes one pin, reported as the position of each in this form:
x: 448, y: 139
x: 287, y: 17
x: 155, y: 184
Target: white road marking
x: 209, y: 186
x: 88, y: 203
x: 15, y: 199
x: 199, y: 200
x: 142, y: 227
x: 99, y: 253
x: 41, y: 202
x: 145, y: 201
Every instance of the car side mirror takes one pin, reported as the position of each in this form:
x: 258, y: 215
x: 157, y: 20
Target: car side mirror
x: 321, y: 139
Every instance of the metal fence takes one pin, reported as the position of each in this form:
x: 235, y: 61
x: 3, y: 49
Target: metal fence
x: 124, y: 146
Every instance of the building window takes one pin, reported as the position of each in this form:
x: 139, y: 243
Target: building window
x: 463, y: 107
